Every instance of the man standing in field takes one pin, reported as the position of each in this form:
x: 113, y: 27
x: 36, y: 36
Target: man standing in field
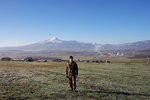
x: 72, y: 73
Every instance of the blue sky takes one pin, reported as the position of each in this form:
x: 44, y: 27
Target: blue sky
x: 103, y: 21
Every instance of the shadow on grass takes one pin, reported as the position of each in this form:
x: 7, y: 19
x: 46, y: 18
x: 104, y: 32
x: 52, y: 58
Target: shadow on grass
x: 117, y: 93
x: 82, y: 94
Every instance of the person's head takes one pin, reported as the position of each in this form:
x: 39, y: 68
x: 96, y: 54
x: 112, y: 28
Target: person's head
x: 71, y: 58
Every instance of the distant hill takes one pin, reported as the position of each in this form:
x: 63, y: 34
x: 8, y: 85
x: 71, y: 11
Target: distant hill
x: 56, y: 44
x: 140, y: 45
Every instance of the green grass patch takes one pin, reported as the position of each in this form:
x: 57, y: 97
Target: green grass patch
x: 96, y: 81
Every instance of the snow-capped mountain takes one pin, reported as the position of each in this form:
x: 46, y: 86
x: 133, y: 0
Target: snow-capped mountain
x: 56, y: 44
x: 53, y: 40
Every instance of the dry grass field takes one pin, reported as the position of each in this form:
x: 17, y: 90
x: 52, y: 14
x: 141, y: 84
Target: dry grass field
x: 47, y: 81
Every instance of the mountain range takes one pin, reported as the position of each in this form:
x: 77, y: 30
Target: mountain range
x: 56, y: 44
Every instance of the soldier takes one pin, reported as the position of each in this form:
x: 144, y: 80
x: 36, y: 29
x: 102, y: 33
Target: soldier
x: 71, y: 73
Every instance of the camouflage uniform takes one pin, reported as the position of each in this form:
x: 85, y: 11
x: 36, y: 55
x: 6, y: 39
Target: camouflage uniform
x: 71, y: 73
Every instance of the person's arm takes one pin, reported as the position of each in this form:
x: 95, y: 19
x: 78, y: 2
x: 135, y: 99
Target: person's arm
x: 67, y: 68
x: 76, y: 69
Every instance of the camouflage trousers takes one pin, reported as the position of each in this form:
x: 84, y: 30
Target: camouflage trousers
x: 72, y: 82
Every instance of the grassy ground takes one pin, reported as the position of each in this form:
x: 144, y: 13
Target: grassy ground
x: 45, y: 81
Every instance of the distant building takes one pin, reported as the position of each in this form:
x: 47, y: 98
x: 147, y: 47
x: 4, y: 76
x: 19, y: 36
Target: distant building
x: 42, y: 60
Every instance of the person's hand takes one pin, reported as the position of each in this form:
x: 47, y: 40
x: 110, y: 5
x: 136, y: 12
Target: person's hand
x: 67, y: 76
x: 76, y: 76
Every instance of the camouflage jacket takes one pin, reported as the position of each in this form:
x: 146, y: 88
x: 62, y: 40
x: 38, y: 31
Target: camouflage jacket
x: 72, y: 69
